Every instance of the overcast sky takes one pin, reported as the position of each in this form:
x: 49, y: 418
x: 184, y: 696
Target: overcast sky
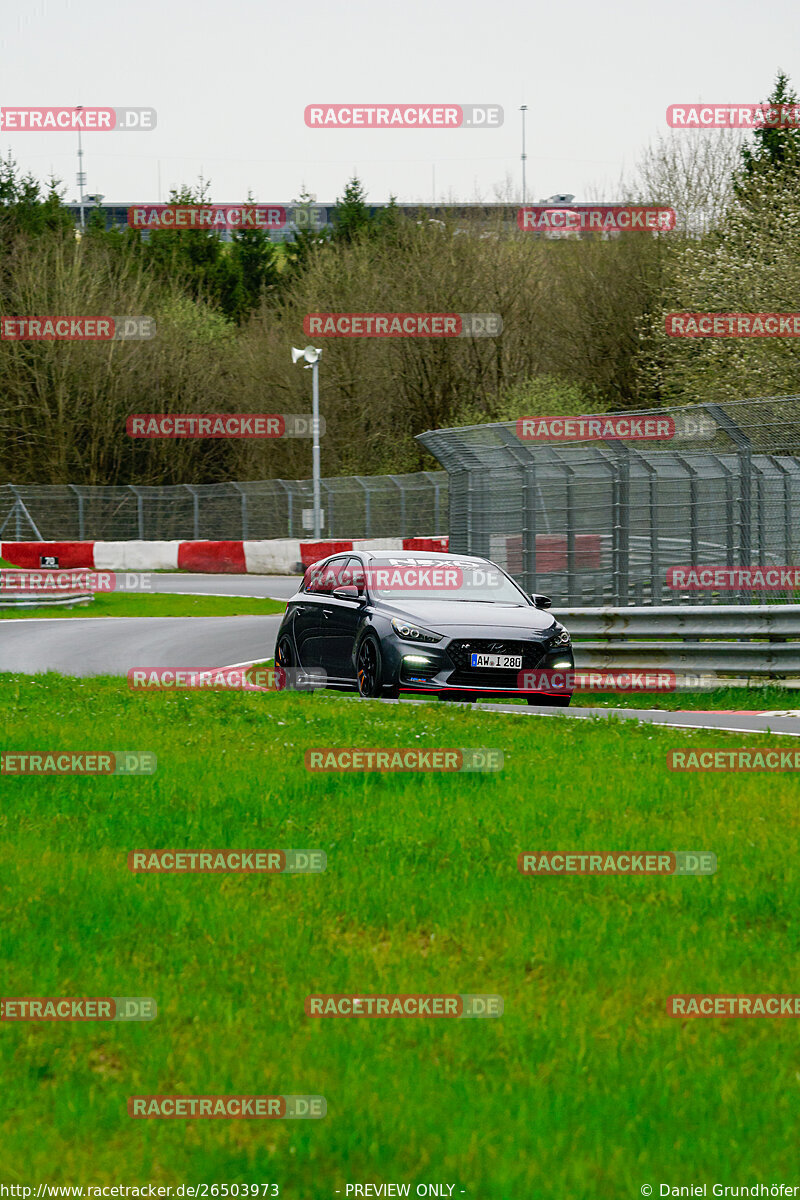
x: 230, y: 82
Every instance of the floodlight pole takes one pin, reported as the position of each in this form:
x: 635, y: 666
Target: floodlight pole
x: 523, y: 110
x: 315, y: 464
x: 311, y: 355
x: 81, y: 172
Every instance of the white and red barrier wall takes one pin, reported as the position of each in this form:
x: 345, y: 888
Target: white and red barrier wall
x: 278, y: 556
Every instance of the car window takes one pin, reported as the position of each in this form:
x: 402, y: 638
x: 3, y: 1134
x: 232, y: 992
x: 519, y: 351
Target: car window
x: 324, y: 578
x: 354, y: 574
x: 394, y: 576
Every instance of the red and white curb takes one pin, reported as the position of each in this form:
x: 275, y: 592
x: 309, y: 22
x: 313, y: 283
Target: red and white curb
x: 277, y: 556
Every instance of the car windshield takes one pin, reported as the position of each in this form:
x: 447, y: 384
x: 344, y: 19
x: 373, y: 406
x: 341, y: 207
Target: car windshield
x: 400, y: 578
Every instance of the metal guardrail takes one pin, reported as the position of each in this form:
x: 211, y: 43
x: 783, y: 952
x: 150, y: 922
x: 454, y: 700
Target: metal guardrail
x: 44, y: 599
x: 768, y: 638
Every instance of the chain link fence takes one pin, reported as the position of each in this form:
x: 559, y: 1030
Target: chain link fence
x: 589, y: 522
x: 601, y: 522
x: 354, y: 506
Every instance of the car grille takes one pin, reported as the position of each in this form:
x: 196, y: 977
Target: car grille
x: 460, y: 651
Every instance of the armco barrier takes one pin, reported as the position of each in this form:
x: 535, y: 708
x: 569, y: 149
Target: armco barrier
x: 690, y: 638
x: 278, y: 556
x: 44, y: 599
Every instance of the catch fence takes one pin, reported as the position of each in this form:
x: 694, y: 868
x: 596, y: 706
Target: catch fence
x: 353, y: 506
x: 600, y: 522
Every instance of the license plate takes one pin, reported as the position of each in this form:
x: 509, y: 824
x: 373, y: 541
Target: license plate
x: 509, y: 661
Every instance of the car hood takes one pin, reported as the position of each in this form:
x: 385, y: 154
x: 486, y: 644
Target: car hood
x: 442, y: 615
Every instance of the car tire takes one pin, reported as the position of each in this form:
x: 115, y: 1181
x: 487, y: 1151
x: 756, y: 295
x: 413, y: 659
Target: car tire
x: 549, y: 701
x: 370, y: 672
x: 286, y: 659
x: 284, y: 653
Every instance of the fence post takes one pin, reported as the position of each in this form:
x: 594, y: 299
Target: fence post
x: 367, y: 506
x: 762, y: 522
x: 655, y: 554
x: 285, y: 484
x: 570, y: 505
x: 730, y: 527
x: 787, y: 507
x: 139, y: 511
x: 691, y: 471
x: 18, y: 510
x: 81, y: 527
x: 243, y: 494
x: 744, y: 447
x: 195, y: 510
x: 395, y: 481
x: 328, y: 509
x: 621, y: 529
x: 529, y: 526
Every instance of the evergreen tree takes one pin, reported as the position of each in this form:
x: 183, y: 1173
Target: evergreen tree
x: 305, y: 241
x: 254, y: 255
x: 773, y: 149
x: 24, y: 208
x: 351, y: 216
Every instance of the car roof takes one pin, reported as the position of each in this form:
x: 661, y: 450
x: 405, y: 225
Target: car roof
x: 416, y: 556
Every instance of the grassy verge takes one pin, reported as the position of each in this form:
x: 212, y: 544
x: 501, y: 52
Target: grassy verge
x: 719, y: 699
x: 154, y: 604
x: 584, y: 1088
x: 741, y: 699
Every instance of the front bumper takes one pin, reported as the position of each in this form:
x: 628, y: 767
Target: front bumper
x: 444, y: 667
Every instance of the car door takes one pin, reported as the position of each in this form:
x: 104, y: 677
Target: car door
x: 342, y: 620
x: 312, y: 614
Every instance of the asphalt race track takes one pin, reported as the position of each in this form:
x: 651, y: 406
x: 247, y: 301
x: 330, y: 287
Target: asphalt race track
x: 112, y: 645
x: 274, y: 587
x: 786, y: 721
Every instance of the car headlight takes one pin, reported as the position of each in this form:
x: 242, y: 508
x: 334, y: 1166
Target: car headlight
x: 560, y: 635
x: 413, y: 633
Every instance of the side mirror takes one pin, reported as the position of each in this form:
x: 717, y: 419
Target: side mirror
x: 348, y: 591
x: 541, y: 601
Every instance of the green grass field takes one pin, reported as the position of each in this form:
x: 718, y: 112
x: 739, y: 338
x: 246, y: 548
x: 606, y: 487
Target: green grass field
x: 583, y: 1089
x: 153, y: 604
x: 760, y: 697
